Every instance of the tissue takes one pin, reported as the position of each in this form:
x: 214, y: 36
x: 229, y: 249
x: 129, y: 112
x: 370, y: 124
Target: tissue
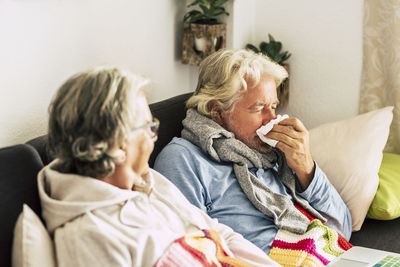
x: 263, y: 130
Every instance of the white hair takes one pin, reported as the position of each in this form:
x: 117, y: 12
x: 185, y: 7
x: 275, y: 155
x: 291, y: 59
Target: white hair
x: 91, y: 114
x: 226, y: 74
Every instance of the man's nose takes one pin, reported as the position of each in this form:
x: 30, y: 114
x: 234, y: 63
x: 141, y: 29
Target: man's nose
x: 268, y: 115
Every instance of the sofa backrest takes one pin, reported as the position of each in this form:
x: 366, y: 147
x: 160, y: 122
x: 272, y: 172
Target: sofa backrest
x: 170, y: 112
x: 19, y: 166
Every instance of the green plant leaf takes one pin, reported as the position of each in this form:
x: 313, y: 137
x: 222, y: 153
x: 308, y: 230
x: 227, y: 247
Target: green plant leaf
x: 205, y: 9
x: 192, y: 16
x: 271, y: 38
x: 285, y: 56
x: 253, y: 48
x: 220, y: 2
x: 205, y: 6
x: 272, y: 49
x: 217, y: 12
x: 278, y: 58
x: 194, y: 3
x: 264, y: 48
x: 277, y: 46
x: 209, y: 10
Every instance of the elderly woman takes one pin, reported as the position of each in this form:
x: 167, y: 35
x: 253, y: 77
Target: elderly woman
x: 102, y: 203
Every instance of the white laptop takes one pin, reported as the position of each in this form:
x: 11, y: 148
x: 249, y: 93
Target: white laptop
x: 363, y: 257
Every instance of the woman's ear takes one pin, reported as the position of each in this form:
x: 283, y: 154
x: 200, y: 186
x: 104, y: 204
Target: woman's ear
x: 120, y: 156
x: 124, y: 145
x: 120, y: 153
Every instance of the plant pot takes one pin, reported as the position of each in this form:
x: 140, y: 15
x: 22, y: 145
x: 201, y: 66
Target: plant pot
x: 200, y: 44
x: 201, y: 40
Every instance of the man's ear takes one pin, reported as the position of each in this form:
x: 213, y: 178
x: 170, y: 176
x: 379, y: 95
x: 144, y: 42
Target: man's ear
x: 212, y: 105
x: 215, y: 111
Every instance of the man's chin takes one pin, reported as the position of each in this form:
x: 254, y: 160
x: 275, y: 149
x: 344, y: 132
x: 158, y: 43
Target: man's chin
x: 263, y: 148
x: 260, y: 146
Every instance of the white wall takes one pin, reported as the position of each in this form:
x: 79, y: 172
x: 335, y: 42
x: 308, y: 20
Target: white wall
x: 43, y: 42
x: 243, y: 22
x: 325, y: 39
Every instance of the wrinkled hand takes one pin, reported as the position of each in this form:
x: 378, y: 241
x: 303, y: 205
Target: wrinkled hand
x: 294, y: 142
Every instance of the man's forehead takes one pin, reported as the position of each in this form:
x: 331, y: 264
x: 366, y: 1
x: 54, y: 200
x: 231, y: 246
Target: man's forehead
x: 263, y: 102
x: 259, y: 99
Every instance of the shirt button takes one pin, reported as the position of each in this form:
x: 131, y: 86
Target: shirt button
x: 260, y: 172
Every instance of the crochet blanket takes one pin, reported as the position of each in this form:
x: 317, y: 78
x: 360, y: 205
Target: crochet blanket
x: 318, y: 246
x: 200, y: 249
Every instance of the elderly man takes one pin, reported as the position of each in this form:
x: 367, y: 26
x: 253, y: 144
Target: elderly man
x: 223, y: 167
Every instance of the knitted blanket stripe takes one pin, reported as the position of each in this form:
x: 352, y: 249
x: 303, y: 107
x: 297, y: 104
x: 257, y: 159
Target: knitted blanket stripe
x: 296, y: 258
x: 200, y: 249
x: 342, y: 242
x: 318, y: 246
x: 304, y: 212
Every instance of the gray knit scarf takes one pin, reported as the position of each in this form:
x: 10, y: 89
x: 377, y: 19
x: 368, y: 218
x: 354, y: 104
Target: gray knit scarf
x: 222, y: 146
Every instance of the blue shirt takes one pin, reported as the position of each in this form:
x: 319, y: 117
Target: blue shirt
x: 213, y: 187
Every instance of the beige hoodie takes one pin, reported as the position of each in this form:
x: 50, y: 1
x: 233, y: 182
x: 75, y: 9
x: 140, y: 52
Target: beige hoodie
x: 94, y: 223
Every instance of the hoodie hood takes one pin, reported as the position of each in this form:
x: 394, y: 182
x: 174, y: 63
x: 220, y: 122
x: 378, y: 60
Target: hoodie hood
x: 66, y: 196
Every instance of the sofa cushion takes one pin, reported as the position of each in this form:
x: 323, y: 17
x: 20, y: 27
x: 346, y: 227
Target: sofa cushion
x: 32, y: 245
x: 19, y: 166
x: 386, y: 203
x: 350, y: 153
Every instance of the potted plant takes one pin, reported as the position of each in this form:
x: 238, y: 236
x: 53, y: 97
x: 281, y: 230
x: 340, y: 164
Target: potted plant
x: 203, y: 32
x: 273, y: 49
x: 210, y: 10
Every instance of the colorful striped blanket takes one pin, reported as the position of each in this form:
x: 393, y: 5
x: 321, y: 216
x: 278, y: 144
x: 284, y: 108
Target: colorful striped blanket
x: 318, y: 246
x: 200, y: 249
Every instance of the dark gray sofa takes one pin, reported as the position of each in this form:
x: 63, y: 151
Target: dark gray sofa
x: 20, y: 164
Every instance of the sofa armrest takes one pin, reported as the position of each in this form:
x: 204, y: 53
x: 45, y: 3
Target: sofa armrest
x: 19, y: 166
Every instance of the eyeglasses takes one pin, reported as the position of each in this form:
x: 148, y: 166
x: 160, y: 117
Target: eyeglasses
x: 154, y: 125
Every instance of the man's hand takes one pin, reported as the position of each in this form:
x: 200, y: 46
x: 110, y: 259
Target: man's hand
x: 294, y: 142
